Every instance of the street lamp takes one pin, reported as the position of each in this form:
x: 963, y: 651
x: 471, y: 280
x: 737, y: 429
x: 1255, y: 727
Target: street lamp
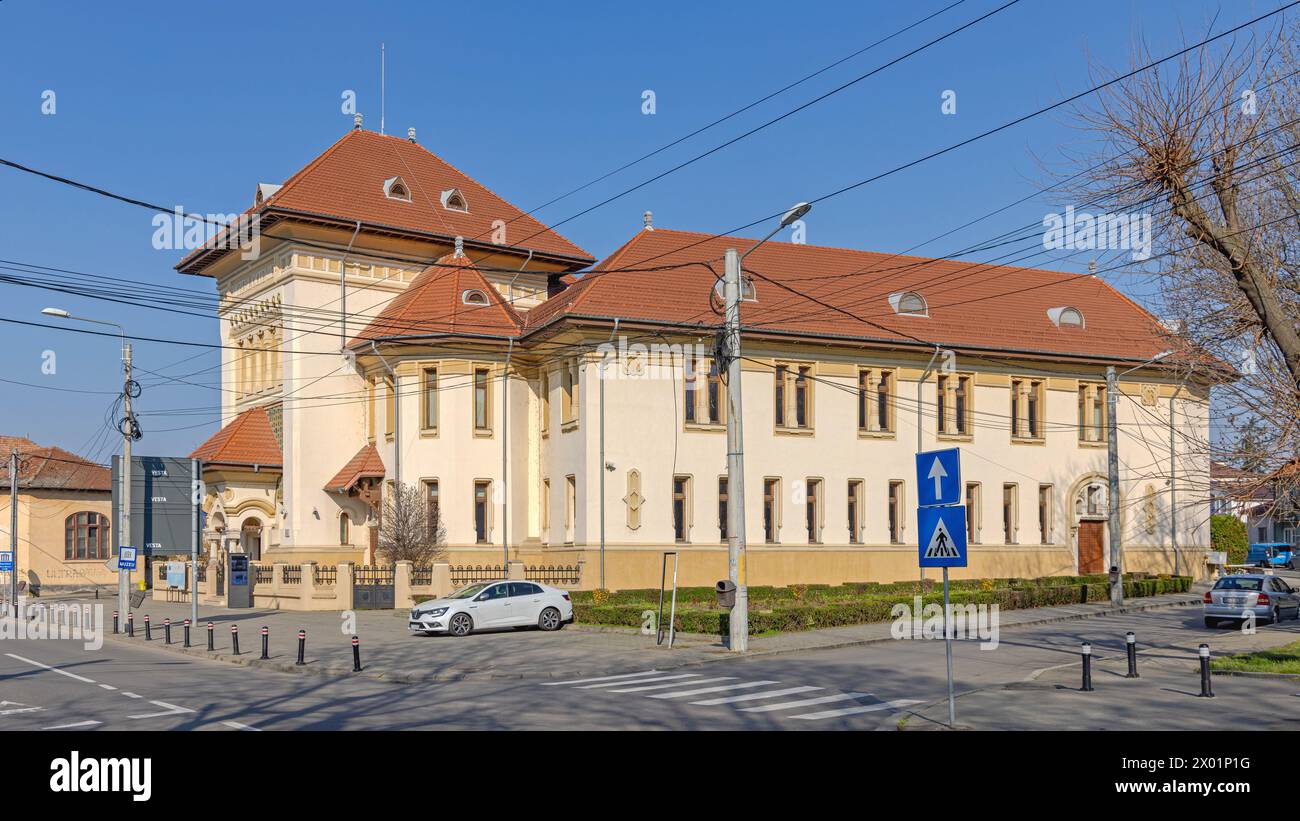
x: 1112, y: 469
x: 129, y: 431
x: 738, y: 632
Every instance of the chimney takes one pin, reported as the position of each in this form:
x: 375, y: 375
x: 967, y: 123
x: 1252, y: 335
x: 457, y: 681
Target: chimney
x: 410, y: 134
x: 460, y: 247
x: 356, y: 122
x: 1092, y: 267
x: 649, y: 220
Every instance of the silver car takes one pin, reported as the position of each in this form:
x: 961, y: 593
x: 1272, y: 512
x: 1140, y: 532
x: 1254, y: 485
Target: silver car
x: 1239, y: 597
x: 491, y: 605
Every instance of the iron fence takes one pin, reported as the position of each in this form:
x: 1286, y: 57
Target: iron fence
x: 292, y: 574
x: 325, y: 575
x: 553, y: 574
x: 464, y: 574
x: 374, y: 575
x: 422, y: 575
x: 263, y: 574
x: 203, y: 572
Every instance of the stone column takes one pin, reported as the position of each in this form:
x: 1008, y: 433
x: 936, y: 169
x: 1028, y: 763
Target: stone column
x: 402, y: 597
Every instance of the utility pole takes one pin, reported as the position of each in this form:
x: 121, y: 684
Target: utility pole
x: 1173, y: 486
x: 739, y: 629
x: 13, y: 526
x: 128, y: 430
x: 1112, y: 501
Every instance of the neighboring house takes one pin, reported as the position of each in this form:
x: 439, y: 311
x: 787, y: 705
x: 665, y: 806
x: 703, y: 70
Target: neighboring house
x: 467, y: 358
x: 1234, y: 492
x: 64, y: 507
x: 1275, y: 516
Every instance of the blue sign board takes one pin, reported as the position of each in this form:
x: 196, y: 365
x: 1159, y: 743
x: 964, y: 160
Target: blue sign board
x: 6, y: 560
x: 943, y: 536
x: 938, y: 477
x: 126, y: 558
x: 176, y: 575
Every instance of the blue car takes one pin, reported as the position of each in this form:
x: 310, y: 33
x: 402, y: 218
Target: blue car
x: 1272, y: 554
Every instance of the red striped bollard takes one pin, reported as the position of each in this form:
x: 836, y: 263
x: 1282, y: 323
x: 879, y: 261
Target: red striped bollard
x: 234, y: 638
x: 167, y: 631
x: 302, y: 646
x: 266, y: 634
x: 187, y: 632
x: 210, y: 637
x: 356, y: 655
x: 148, y: 631
x: 130, y: 624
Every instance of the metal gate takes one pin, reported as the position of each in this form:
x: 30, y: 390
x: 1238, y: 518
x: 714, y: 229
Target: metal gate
x: 372, y: 589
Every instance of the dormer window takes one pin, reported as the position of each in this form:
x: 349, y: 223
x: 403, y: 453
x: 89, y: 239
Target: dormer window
x: 1066, y: 317
x: 453, y: 200
x: 265, y: 190
x: 748, y: 293
x: 473, y: 296
x: 395, y: 189
x: 908, y: 303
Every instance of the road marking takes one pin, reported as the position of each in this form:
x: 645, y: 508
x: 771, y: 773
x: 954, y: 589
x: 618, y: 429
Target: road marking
x: 172, y: 710
x: 804, y: 702
x: 865, y: 708
x: 718, y: 689
x: 108, y: 687
x: 73, y: 724
x: 52, y: 669
x: 640, y: 681
x: 16, y: 707
x: 789, y: 691
x: 674, y: 684
x: 602, y: 678
x: 239, y: 726
x: 131, y: 695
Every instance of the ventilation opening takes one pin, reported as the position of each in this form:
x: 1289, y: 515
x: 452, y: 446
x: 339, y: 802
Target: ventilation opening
x: 908, y: 303
x: 1066, y: 317
x: 473, y: 296
x: 395, y: 189
x: 453, y: 200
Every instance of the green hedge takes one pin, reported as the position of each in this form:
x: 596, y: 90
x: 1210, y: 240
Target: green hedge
x: 873, y: 603
x: 1228, y: 533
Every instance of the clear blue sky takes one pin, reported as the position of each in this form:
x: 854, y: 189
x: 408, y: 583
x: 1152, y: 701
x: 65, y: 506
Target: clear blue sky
x: 193, y: 104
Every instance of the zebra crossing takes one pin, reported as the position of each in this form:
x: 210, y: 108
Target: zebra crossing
x: 802, y: 702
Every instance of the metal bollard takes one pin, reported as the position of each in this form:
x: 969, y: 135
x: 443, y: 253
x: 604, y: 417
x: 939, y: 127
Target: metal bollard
x: 187, y: 632
x: 209, y: 637
x: 1087, y: 668
x: 302, y: 646
x: 356, y: 655
x: 115, y: 622
x: 167, y: 631
x: 130, y: 624
x: 1131, y: 640
x: 1204, y: 652
x: 266, y: 634
x: 148, y: 631
x: 234, y: 638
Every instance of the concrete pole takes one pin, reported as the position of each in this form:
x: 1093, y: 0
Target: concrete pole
x: 1112, y: 467
x: 1173, y: 488
x: 13, y: 526
x: 124, y: 531
x: 739, y: 630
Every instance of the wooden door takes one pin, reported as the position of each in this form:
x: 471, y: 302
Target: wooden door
x: 1091, y: 553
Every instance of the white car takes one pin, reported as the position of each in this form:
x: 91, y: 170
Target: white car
x: 490, y: 605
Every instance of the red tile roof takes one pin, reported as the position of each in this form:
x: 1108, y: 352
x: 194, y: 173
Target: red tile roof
x: 970, y: 305
x: 52, y: 468
x: 365, y: 465
x: 247, y: 440
x: 434, y: 304
x: 346, y: 182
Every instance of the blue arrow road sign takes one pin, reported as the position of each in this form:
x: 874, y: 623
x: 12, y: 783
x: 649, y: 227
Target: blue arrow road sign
x: 943, y: 536
x: 938, y: 477
x: 126, y: 558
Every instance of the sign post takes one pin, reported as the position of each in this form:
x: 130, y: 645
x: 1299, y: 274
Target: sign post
x: 941, y: 532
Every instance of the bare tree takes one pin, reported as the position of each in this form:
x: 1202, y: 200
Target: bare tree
x: 410, y: 529
x: 1206, y: 144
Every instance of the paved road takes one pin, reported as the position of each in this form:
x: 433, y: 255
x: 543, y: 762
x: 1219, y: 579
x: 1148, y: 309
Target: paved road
x: 58, y: 685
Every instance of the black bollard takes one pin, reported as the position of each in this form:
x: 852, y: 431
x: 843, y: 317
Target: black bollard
x: 167, y: 631
x: 302, y: 646
x: 234, y: 638
x: 187, y: 632
x: 115, y: 622
x: 148, y: 631
x: 1087, y: 668
x: 1131, y: 640
x: 130, y: 624
x: 356, y: 655
x: 209, y: 637
x: 1204, y: 652
x: 266, y: 634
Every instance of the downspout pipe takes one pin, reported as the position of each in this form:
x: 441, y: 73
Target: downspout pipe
x: 613, y: 333
x: 397, y: 416
x: 505, y: 441
x: 343, y: 290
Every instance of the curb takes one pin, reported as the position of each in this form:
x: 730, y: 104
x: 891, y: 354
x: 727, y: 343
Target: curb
x: 1255, y: 674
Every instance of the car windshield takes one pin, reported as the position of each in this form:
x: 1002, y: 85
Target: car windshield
x: 468, y: 592
x: 1234, y: 583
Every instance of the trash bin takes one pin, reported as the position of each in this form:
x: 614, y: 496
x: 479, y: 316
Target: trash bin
x: 726, y: 590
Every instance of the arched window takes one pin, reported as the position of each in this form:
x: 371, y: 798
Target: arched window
x: 1066, y: 317
x: 86, y: 536
x: 395, y: 189
x: 250, y: 538
x: 473, y: 296
x: 908, y: 303
x: 344, y: 525
x: 453, y: 200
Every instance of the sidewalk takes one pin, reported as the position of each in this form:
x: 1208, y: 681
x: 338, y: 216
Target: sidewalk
x: 390, y: 652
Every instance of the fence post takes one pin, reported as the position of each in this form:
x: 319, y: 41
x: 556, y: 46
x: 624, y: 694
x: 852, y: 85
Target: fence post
x: 402, y: 598
x: 515, y: 570
x: 210, y: 585
x: 307, y: 591
x: 442, y: 579
x: 343, y: 586
x: 277, y: 581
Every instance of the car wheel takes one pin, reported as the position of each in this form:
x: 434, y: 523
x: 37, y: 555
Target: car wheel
x: 1209, y: 622
x: 550, y: 619
x: 460, y: 625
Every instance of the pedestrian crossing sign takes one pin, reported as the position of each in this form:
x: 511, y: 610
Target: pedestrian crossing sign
x: 942, y: 534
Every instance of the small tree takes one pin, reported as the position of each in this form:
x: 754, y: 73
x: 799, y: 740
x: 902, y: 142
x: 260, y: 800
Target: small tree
x: 409, y: 529
x: 1227, y: 533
